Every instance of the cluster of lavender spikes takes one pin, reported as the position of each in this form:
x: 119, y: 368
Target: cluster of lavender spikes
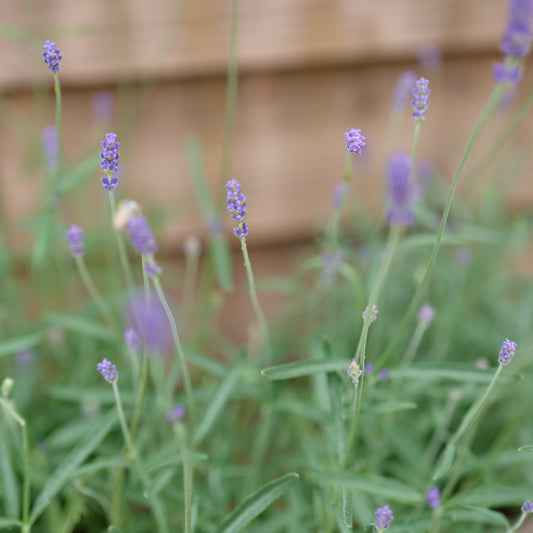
x: 108, y: 370
x: 354, y: 371
x: 507, y: 352
x: 400, y: 194
x: 75, y: 236
x: 236, y: 205
x: 109, y: 164
x: 355, y: 141
x: 384, y: 517
x: 51, y: 56
x: 420, y: 101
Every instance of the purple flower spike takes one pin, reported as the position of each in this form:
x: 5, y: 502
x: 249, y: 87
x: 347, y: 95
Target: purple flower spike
x: 236, y: 205
x: 433, y: 497
x: 110, y: 153
x: 527, y: 506
x: 400, y: 193
x: 507, y: 352
x: 426, y: 315
x: 517, y: 37
x: 175, y: 414
x: 354, y: 371
x: 131, y: 339
x: 51, y: 56
x: 152, y: 268
x: 141, y: 235
x: 403, y: 89
x: 354, y: 141
x: 373, y: 313
x: 49, y: 144
x: 110, y: 182
x: 108, y: 370
x: 421, y: 99
x: 384, y: 517
x: 507, y: 73
x: 75, y: 238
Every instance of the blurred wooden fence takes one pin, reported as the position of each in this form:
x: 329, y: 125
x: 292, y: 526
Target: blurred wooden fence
x: 309, y: 70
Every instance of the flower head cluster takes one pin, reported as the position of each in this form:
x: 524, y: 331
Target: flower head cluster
x: 402, y: 90
x: 49, y: 144
x: 507, y: 352
x: 517, y: 37
x: 400, y: 194
x: 420, y: 101
x: 51, y: 56
x: 110, y: 154
x: 131, y: 339
x: 108, y: 370
x: 355, y: 142
x: 527, y: 506
x: 433, y: 497
x: 426, y: 315
x: 140, y: 234
x: 175, y: 413
x: 384, y: 517
x: 373, y: 312
x: 236, y: 205
x: 354, y: 371
x: 75, y: 238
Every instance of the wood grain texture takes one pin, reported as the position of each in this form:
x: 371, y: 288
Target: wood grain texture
x: 103, y: 41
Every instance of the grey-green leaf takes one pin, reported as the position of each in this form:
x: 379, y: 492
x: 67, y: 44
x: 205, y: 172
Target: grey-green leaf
x: 300, y: 369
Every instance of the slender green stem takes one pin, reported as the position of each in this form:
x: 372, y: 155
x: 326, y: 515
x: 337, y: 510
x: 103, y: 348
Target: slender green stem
x: 177, y: 345
x: 59, y: 130
x: 127, y: 438
x: 414, y: 146
x: 517, y: 525
x: 470, y: 417
x: 489, y: 107
x: 187, y: 475
x: 414, y: 344
x: 335, y: 222
x: 93, y: 291
x: 255, y: 303
x: 435, y: 521
x: 26, y: 485
x: 121, y: 246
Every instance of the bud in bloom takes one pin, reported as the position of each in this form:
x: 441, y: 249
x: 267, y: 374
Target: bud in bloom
x: 110, y: 153
x: 384, y: 517
x: 354, y: 371
x: 373, y: 313
x: 152, y: 268
x: 140, y: 234
x: 236, y: 205
x: 108, y: 371
x: 400, y: 197
x: 527, y: 506
x: 421, y: 99
x: 507, y: 352
x: 426, y: 315
x: 509, y: 73
x: 433, y: 497
x: 131, y: 339
x: 403, y: 89
x: 51, y: 56
x: 75, y: 238
x: 175, y: 413
x: 354, y: 141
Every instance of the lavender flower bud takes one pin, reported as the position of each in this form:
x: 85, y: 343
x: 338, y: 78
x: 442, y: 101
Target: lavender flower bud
x: 373, y: 313
x: 433, y: 497
x: 383, y: 518
x: 527, y: 506
x: 400, y: 197
x: 51, y: 56
x: 507, y: 352
x: 426, y: 315
x: 354, y: 141
x: 140, y: 234
x: 354, y: 371
x: 236, y: 205
x: 131, y: 339
x: 152, y: 268
x: 110, y: 153
x: 402, y: 91
x: 175, y: 414
x: 421, y: 99
x: 110, y: 182
x: 75, y: 238
x: 49, y: 144
x: 108, y: 371
x: 507, y: 73
x: 517, y: 37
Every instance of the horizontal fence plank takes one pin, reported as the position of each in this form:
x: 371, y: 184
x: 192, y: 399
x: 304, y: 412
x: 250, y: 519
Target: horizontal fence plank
x: 102, y: 41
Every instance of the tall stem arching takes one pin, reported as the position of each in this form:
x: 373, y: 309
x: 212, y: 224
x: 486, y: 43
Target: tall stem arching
x: 257, y: 307
x: 489, y: 107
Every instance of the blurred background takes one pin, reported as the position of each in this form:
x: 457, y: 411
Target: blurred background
x: 308, y: 70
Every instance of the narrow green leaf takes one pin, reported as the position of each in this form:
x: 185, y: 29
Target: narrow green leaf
x: 256, y: 504
x: 204, y: 363
x: 380, y: 486
x: 83, y: 449
x: 528, y: 448
x: 10, y: 490
x: 79, y: 173
x: 457, y: 372
x: 446, y: 462
x: 383, y: 408
x: 497, y: 496
x: 217, y: 403
x: 475, y: 514
x: 17, y: 344
x: 307, y: 367
x: 336, y: 423
x: 8, y: 522
x: 78, y: 394
x: 81, y: 326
